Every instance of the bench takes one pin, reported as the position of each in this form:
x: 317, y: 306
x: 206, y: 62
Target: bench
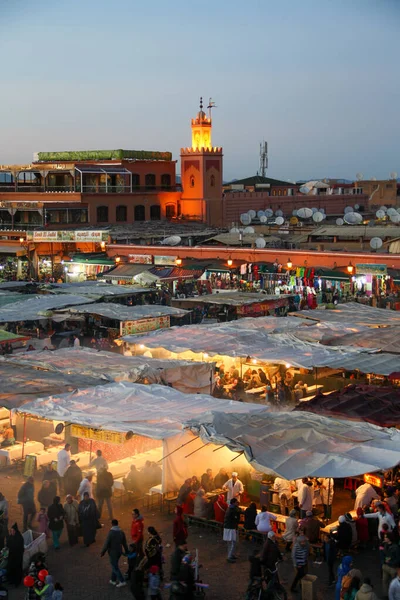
x: 170, y: 503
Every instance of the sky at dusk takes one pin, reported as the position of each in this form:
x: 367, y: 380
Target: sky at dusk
x: 318, y: 79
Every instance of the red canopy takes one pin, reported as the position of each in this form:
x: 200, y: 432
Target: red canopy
x: 377, y: 405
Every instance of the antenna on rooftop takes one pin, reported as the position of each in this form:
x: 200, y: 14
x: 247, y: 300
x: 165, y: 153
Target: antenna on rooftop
x: 211, y: 105
x: 263, y: 158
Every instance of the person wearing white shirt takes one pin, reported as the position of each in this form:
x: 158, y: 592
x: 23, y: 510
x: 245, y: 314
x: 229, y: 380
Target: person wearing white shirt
x: 86, y: 486
x: 284, y: 490
x: 364, y: 495
x: 394, y: 587
x: 234, y: 487
x: 306, y: 498
x: 327, y: 490
x: 77, y: 343
x: 99, y: 462
x: 384, y: 517
x: 63, y: 460
x: 263, y: 520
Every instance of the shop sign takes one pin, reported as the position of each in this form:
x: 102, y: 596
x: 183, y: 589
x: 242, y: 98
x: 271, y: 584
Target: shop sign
x: 97, y: 435
x: 165, y: 260
x: 21, y: 205
x: 373, y: 480
x: 68, y: 236
x: 362, y: 269
x: 261, y: 307
x: 143, y: 325
x: 140, y: 259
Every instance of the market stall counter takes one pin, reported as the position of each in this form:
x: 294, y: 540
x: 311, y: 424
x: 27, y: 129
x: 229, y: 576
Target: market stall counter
x: 18, y: 451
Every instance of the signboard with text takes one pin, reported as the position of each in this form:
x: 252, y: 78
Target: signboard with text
x: 68, y: 236
x: 165, y: 260
x: 143, y: 325
x: 140, y: 259
x: 97, y: 435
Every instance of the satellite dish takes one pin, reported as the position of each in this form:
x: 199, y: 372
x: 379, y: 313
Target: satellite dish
x: 324, y: 215
x: 376, y: 243
x: 393, y: 175
x: 371, y: 224
x: 260, y: 213
x: 314, y: 210
x: 395, y: 218
x: 294, y: 212
x: 321, y: 210
x: 348, y: 209
x: 339, y: 222
x: 318, y: 217
x: 261, y: 243
x: 384, y: 208
x: 360, y: 176
x: 373, y: 178
x: 248, y: 230
x: 380, y: 214
x: 304, y: 213
x: 294, y: 220
x: 173, y: 240
x: 263, y: 219
x: 129, y: 435
x: 304, y: 189
x: 356, y: 207
x: 353, y: 218
x: 245, y: 219
x: 279, y: 220
x: 269, y: 212
x: 252, y: 214
x: 278, y: 213
x: 391, y: 211
x: 234, y: 230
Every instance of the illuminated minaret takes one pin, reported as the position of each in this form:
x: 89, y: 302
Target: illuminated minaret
x: 201, y: 173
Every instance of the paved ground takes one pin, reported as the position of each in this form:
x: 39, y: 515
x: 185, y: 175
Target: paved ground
x: 85, y: 575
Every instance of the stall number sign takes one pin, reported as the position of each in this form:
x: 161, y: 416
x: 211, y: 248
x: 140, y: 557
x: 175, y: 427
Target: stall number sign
x: 140, y: 259
x: 97, y: 435
x: 373, y: 480
x: 143, y: 325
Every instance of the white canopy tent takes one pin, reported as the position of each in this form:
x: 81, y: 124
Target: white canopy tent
x: 153, y: 411
x: 291, y: 447
x: 353, y: 312
x: 35, y: 307
x: 185, y: 376
x: 118, y: 312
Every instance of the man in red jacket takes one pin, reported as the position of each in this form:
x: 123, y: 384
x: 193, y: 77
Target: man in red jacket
x: 137, y: 529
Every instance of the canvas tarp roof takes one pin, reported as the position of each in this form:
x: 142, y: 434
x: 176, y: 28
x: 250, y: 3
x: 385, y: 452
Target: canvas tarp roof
x: 35, y: 307
x: 128, y: 313
x: 94, y: 289
x: 377, y: 405
x: 353, y: 312
x: 19, y: 385
x: 6, y: 336
x: 386, y: 339
x: 184, y: 375
x: 294, y: 445
x: 154, y: 411
x: 234, y: 298
x: 128, y: 271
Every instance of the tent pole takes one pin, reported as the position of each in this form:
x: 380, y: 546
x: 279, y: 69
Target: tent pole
x: 329, y: 493
x: 24, y: 438
x: 240, y: 454
x: 219, y: 448
x: 194, y: 451
x: 176, y: 449
x: 91, y: 446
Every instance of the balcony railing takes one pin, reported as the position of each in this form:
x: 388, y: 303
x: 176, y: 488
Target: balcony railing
x: 89, y: 189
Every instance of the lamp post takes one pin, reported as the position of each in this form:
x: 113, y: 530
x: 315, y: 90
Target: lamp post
x: 350, y: 268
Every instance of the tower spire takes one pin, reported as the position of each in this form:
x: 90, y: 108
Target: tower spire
x: 201, y: 102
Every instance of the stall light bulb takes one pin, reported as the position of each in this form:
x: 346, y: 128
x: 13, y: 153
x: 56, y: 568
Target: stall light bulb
x: 205, y: 355
x: 254, y: 361
x: 288, y: 365
x: 141, y: 346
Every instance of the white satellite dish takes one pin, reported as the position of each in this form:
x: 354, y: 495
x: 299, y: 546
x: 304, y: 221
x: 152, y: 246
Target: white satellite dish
x: 360, y: 176
x: 269, y: 212
x: 245, y: 219
x: 304, y: 189
x: 260, y: 213
x: 234, y: 230
x: 263, y: 219
x: 324, y: 215
x: 318, y: 217
x: 395, y: 218
x: 391, y: 211
x: 353, y: 218
x: 304, y: 213
x: 278, y: 213
x: 252, y: 214
x: 373, y: 178
x: 339, y: 222
x: 321, y: 210
x: 173, y: 240
x: 356, y: 207
x: 348, y: 209
x: 380, y: 214
x: 393, y: 175
x: 260, y: 242
x: 314, y: 210
x: 376, y: 243
x: 294, y: 212
x: 279, y: 220
x: 384, y: 208
x: 248, y: 230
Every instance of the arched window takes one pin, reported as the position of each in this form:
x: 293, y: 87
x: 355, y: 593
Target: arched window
x: 166, y: 180
x: 140, y: 213
x: 102, y: 214
x: 170, y: 211
x: 191, y: 181
x: 150, y: 180
x: 121, y: 213
x: 155, y: 212
x: 212, y: 181
x: 135, y: 180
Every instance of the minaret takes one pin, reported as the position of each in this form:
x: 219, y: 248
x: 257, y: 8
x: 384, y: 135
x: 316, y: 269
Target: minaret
x: 201, y: 173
